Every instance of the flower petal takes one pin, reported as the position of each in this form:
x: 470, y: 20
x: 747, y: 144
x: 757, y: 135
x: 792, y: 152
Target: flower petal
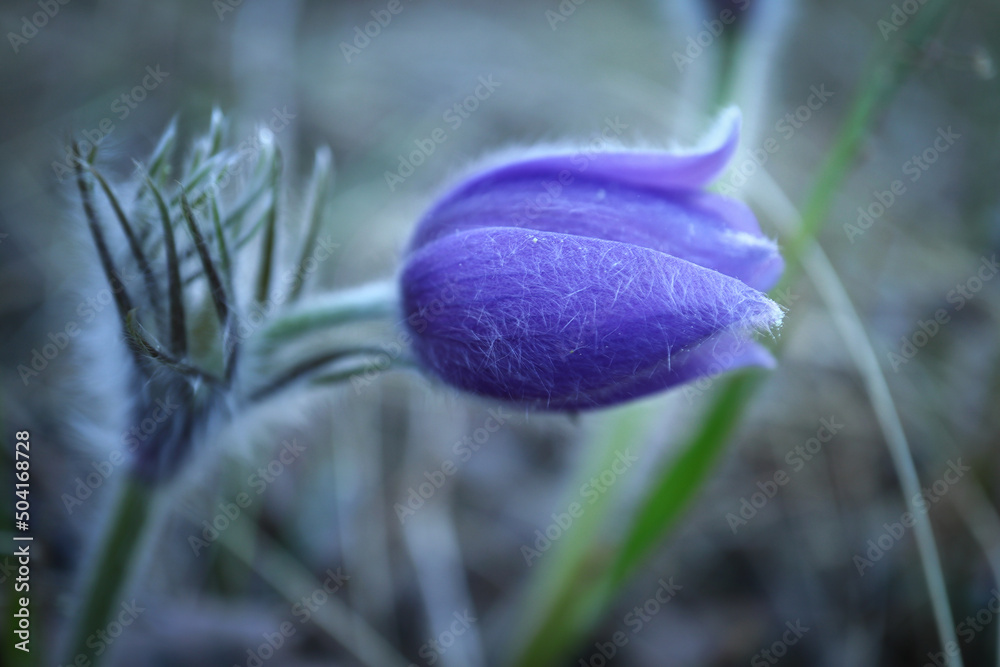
x: 565, y: 321
x: 719, y: 354
x: 655, y: 170
x: 707, y: 229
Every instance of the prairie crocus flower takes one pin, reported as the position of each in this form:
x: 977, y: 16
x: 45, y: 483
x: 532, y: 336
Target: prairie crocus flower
x: 571, y: 281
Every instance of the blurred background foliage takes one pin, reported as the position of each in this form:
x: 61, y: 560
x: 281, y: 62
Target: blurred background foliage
x: 366, y: 446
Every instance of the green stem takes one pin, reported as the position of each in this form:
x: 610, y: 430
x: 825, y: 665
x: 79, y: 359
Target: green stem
x: 576, y: 558
x: 687, y: 473
x: 104, y: 583
x: 271, y: 221
x: 318, y: 188
x: 881, y: 82
x: 371, y: 301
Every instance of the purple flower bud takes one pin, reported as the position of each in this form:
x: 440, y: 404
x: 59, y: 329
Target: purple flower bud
x: 575, y: 281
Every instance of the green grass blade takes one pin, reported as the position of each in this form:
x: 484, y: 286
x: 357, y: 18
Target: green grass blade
x: 555, y: 610
x: 111, y: 568
x: 894, y: 61
x: 685, y: 475
x: 859, y: 347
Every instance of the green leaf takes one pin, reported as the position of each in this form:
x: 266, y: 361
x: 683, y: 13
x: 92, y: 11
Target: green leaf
x: 146, y: 347
x: 159, y: 161
x: 684, y: 476
x: 133, y: 242
x: 314, y: 363
x: 219, y: 296
x: 122, y: 300
x: 270, y: 223
x: 367, y: 302
x: 220, y: 239
x: 178, y: 324
x: 316, y: 196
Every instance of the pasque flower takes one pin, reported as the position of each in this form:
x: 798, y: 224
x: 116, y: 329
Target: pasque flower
x: 570, y: 281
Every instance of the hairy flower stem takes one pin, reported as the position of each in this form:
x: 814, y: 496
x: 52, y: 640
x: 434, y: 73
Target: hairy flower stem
x: 371, y: 301
x: 119, y: 547
x: 110, y: 566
